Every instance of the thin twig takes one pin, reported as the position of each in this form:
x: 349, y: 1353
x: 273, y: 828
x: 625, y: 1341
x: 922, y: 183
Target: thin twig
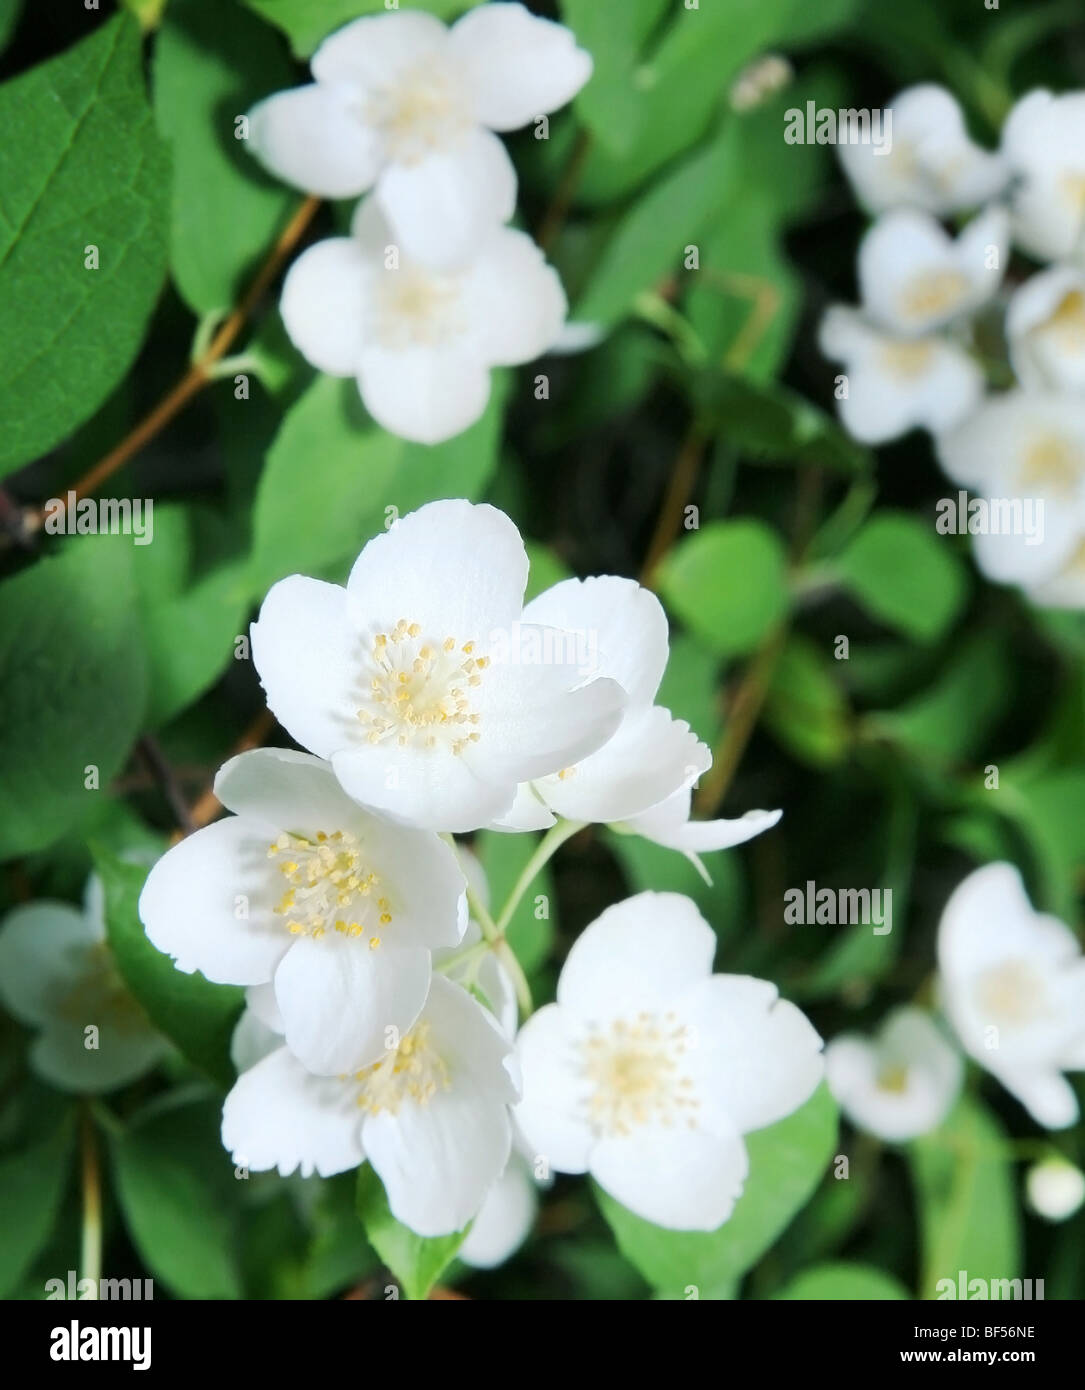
x: 208, y: 806
x: 555, y: 215
x: 151, y: 753
x: 683, y: 479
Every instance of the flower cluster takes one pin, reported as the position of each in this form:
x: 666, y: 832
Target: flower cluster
x: 381, y: 1019
x: 915, y: 353
x: 431, y: 289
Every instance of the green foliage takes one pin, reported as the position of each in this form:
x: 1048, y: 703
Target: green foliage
x: 843, y: 1282
x: 81, y: 167
x: 416, y: 1261
x: 32, y: 1184
x: 307, y: 22
x: 902, y: 574
x: 805, y: 708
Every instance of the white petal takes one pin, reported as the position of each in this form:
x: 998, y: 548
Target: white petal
x: 1048, y: 1097
x: 519, y: 66
x: 1042, y: 141
x: 252, y: 1041
x: 668, y: 824
x: 315, y: 138
x: 60, y: 1055
x: 422, y: 881
x: 303, y: 651
x: 503, y: 1221
x: 324, y: 304
x: 285, y: 789
x: 208, y: 904
x: 1045, y: 326
x: 374, y: 50
x: 430, y: 788
x: 279, y: 1116
x: 45, y: 950
x: 989, y: 919
x: 425, y: 394
x: 623, y: 626
x: 441, y: 206
x: 651, y: 756
x: 514, y: 299
x: 640, y: 953
x: 680, y: 1179
x: 754, y: 1056
x: 338, y: 998
x: 552, y: 1115
x: 453, y: 566
x: 527, y: 812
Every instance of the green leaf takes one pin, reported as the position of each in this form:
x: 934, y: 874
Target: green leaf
x: 212, y: 62
x: 609, y: 104
x: 72, y: 688
x: 10, y: 10
x: 32, y: 1186
x: 843, y: 1282
x: 307, y: 22
x: 786, y: 1163
x: 728, y: 584
x: 805, y: 708
x: 904, y: 575
x: 173, y: 1181
x: 416, y: 1261
x: 192, y: 1012
x: 1048, y: 809
x: 81, y: 166
x: 333, y: 479
x: 963, y: 1174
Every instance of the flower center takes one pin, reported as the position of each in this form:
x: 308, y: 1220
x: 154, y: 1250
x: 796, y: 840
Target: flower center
x: 414, y: 1070
x: 328, y: 887
x: 1067, y: 323
x: 937, y: 292
x: 907, y: 359
x: 636, y: 1072
x: 420, y: 690
x: 1013, y: 994
x: 423, y: 111
x: 1050, y: 463
x: 417, y: 308
x: 1072, y: 184
x: 892, y: 1077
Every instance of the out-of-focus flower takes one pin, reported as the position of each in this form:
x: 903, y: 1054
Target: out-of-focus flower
x: 1043, y: 142
x: 1045, y: 329
x: 649, y: 1069
x: 420, y: 681
x: 915, y: 278
x: 504, y: 1220
x: 896, y: 384
x: 900, y: 1084
x: 421, y: 342
x: 304, y: 889
x: 57, y: 975
x: 931, y: 162
x: 405, y: 106
x: 1013, y: 985
x: 1056, y: 1188
x: 431, y: 1115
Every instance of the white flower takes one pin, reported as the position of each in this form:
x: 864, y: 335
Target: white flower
x: 641, y: 778
x: 431, y: 1115
x: 420, y: 342
x: 405, y: 106
x: 1013, y: 983
x: 901, y: 1084
x: 1045, y: 328
x: 914, y: 278
x: 420, y: 682
x: 305, y: 890
x: 1066, y: 588
x: 1056, y: 1189
x: 504, y: 1220
x: 1029, y: 446
x: 57, y: 975
x: 649, y: 1069
x: 930, y: 164
x: 896, y: 384
x: 1043, y: 142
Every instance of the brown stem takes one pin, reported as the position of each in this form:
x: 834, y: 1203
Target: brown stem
x: 562, y: 201
x: 208, y: 806
x: 164, y: 776
x: 683, y: 480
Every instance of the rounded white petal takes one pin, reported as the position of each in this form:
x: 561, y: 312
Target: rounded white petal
x: 303, y: 650
x: 338, y: 998
x: 442, y: 206
x: 622, y: 626
x: 668, y: 824
x: 513, y: 299
x: 1043, y: 141
x: 989, y: 919
x: 285, y: 789
x: 325, y: 300
x: 45, y: 950
x: 553, y: 1114
x: 753, y: 1056
x: 126, y: 1048
x: 527, y: 812
x: 373, y: 51
x: 680, y: 1179
x: 504, y: 1219
x: 1045, y: 327
x: 252, y: 1040
x: 519, y: 66
x: 280, y: 1116
x: 208, y: 904
x: 640, y: 953
x: 429, y: 788
x: 316, y: 139
x: 1046, y: 1095
x: 1056, y: 1189
x: 424, y: 394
